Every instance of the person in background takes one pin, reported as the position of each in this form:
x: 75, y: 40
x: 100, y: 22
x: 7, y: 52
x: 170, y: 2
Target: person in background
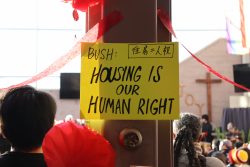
x: 220, y: 156
x: 69, y: 117
x: 225, y: 146
x: 26, y: 116
x: 207, y: 129
x: 215, y: 146
x: 233, y: 134
x: 206, y: 148
x: 238, y: 144
x: 187, y: 149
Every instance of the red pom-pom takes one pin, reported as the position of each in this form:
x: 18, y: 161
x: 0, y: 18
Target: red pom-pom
x: 83, y: 5
x: 71, y: 145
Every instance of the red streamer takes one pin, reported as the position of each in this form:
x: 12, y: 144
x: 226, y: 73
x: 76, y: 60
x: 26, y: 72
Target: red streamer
x: 91, y: 36
x: 163, y: 16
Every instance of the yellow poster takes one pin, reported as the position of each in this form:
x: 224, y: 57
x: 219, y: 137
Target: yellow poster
x: 129, y: 81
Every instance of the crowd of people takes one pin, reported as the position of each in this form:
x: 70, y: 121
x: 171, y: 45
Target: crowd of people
x: 195, y: 146
x: 29, y: 137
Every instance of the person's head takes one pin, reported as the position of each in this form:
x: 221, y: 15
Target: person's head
x: 187, y: 130
x: 238, y: 144
x: 26, y: 116
x: 69, y: 117
x: 215, y: 144
x: 225, y: 144
x: 188, y: 123
x: 205, y: 118
x: 230, y: 126
x: 220, y: 156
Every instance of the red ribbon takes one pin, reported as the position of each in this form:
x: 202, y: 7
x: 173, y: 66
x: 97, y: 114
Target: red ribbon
x: 163, y: 16
x: 92, y: 35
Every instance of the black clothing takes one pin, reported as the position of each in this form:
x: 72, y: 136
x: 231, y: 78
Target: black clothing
x: 207, y: 128
x: 4, y: 145
x: 20, y: 159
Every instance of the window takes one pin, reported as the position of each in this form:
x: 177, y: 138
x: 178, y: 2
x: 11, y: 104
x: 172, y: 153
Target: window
x: 33, y: 34
x: 198, y: 23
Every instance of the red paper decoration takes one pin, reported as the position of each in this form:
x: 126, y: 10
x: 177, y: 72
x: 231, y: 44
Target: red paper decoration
x: 82, y: 5
x: 75, y: 15
x: 71, y: 145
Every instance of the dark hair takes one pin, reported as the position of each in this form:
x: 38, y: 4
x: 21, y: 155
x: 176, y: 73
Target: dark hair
x: 26, y: 115
x: 238, y: 144
x: 205, y: 116
x: 216, y: 143
x: 189, y: 129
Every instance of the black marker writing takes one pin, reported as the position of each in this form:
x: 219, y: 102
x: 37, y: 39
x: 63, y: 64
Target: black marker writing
x: 104, y: 105
x: 106, y: 54
x: 127, y: 89
x: 155, y: 106
x: 155, y: 75
x: 110, y: 74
